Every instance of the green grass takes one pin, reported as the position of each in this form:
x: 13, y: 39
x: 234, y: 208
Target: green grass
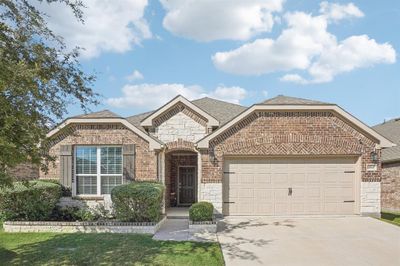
x: 104, y: 249
x: 391, y: 217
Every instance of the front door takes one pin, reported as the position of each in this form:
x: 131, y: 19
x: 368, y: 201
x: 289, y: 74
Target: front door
x: 186, y: 185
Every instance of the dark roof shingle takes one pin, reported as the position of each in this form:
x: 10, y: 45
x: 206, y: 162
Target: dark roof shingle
x: 99, y: 114
x: 391, y: 130
x: 220, y: 110
x: 282, y: 99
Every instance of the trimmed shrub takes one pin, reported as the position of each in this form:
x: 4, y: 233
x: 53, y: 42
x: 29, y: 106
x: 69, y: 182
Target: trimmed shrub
x: 201, y: 211
x: 29, y: 201
x: 65, y: 191
x: 138, y: 201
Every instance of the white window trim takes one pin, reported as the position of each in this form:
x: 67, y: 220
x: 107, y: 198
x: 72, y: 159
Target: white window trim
x: 98, y: 170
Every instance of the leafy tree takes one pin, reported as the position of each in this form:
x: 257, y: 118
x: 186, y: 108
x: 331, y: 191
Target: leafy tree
x: 39, y: 79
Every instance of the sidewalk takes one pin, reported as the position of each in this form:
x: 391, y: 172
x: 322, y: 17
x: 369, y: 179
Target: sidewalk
x: 178, y: 230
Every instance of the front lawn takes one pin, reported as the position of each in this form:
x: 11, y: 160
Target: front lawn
x: 391, y: 217
x: 107, y: 249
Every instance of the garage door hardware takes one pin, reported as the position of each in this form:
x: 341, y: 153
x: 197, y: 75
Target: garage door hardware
x: 348, y: 201
x: 229, y: 172
x: 229, y: 202
x: 349, y: 172
x: 290, y: 191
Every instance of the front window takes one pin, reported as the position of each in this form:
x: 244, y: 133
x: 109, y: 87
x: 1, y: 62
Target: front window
x: 98, y: 169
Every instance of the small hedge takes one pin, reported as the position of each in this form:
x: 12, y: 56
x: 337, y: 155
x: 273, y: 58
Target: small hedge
x: 138, y: 202
x: 201, y: 211
x: 29, y: 201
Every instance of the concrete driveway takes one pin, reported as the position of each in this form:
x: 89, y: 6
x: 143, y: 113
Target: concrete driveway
x: 309, y: 241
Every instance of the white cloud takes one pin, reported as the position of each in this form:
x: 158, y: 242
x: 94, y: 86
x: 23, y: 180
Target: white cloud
x: 209, y: 20
x: 304, y: 38
x: 135, y: 75
x: 336, y: 12
x: 295, y: 78
x: 109, y: 26
x: 229, y: 94
x: 306, y: 45
x: 154, y: 95
x: 351, y: 53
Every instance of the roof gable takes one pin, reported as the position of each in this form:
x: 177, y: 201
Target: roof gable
x: 383, y: 142
x: 154, y: 143
x: 148, y: 121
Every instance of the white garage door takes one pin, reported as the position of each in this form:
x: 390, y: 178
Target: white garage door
x: 289, y: 186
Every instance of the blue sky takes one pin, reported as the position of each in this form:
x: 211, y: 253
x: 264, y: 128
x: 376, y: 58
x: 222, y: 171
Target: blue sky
x: 341, y: 52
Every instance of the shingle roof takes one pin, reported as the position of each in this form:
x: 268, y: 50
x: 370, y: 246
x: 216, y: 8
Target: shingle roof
x: 136, y: 119
x: 282, y: 99
x: 391, y: 130
x: 99, y: 114
x: 222, y: 111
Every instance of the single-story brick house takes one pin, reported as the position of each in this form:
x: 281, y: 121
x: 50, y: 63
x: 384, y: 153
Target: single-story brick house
x: 390, y: 184
x: 284, y: 156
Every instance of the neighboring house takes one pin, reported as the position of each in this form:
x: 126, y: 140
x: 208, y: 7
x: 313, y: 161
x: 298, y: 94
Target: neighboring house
x: 390, y: 184
x: 284, y: 156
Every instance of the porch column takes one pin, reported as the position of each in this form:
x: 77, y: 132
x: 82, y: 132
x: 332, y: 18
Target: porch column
x: 199, y: 172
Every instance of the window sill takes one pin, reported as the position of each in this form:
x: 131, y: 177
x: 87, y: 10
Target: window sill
x: 83, y: 197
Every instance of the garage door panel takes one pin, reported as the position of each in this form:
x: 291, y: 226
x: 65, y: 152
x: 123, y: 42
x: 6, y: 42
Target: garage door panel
x: 263, y: 180
x: 264, y: 208
x: 264, y: 194
x: 280, y: 180
x: 261, y: 186
x: 245, y: 193
x: 298, y: 179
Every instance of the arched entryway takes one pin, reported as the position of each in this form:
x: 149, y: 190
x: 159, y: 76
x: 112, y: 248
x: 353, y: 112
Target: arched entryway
x: 181, y: 178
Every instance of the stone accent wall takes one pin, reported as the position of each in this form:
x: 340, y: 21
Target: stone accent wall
x: 212, y: 192
x: 103, y: 134
x: 390, y: 187
x: 171, y: 175
x: 370, y: 203
x: 83, y: 227
x: 176, y: 109
x: 273, y: 133
x: 183, y: 125
x: 24, y: 171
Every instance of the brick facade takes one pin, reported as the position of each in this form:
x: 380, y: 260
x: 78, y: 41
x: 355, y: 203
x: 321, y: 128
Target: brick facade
x: 283, y: 133
x: 104, y: 134
x: 390, y: 187
x: 24, y: 171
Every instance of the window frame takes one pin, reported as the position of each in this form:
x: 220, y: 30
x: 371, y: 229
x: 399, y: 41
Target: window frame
x: 98, y: 174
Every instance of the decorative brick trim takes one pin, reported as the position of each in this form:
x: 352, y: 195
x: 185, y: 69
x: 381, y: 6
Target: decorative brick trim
x: 181, y: 145
x: 180, y: 107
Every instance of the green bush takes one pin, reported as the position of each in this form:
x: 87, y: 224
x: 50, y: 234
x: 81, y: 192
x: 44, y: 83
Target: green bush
x: 29, y: 201
x: 201, y: 211
x: 138, y: 201
x: 65, y: 191
x: 67, y: 214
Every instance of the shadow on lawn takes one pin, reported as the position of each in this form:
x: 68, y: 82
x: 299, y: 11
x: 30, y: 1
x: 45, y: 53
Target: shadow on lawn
x: 390, y: 216
x: 110, y: 249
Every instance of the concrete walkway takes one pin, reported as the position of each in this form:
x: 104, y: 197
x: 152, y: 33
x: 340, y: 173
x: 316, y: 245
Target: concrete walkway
x: 178, y: 230
x: 328, y: 241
